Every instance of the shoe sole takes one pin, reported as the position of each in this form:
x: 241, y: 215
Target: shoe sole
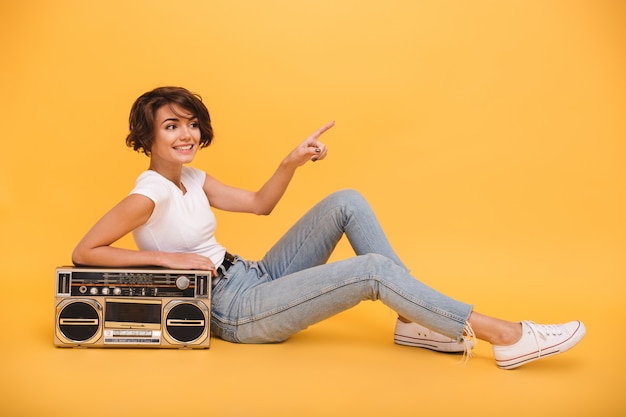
x: 445, y: 347
x: 564, y: 346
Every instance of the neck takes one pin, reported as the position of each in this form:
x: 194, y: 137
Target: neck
x: 170, y: 172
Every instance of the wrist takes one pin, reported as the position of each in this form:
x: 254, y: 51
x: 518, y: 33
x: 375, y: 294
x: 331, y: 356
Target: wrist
x: 157, y: 259
x: 288, y: 165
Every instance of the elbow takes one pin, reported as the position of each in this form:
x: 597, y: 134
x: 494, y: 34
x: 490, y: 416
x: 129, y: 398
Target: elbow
x: 264, y: 210
x: 268, y: 211
x: 78, y: 257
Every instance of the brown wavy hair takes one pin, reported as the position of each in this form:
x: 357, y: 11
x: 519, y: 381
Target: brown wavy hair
x: 141, y: 119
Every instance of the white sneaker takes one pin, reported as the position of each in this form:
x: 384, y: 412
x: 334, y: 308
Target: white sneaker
x: 413, y: 334
x: 539, y: 341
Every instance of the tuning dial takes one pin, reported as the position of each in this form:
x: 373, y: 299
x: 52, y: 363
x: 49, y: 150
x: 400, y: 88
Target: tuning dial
x: 182, y: 282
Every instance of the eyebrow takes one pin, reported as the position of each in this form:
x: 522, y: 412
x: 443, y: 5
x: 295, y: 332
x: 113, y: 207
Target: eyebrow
x: 176, y: 119
x: 171, y: 119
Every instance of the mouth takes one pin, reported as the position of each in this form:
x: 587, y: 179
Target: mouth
x: 184, y: 147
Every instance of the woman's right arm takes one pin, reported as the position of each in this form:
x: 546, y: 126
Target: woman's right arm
x: 133, y: 211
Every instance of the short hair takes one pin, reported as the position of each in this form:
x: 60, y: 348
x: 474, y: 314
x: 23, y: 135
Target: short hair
x: 141, y: 120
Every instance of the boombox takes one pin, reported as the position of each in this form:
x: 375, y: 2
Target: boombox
x: 156, y: 308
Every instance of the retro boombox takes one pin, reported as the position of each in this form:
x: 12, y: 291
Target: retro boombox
x: 156, y: 308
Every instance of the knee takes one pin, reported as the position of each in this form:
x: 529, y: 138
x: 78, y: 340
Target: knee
x: 348, y: 199
x: 373, y: 273
x: 348, y: 194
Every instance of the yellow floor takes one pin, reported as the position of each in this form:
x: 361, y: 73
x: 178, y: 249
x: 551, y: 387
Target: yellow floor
x: 346, y: 366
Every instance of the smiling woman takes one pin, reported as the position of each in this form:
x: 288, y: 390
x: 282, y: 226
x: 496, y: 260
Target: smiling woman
x: 294, y: 286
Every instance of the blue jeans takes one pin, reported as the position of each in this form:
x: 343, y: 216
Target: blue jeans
x: 293, y: 287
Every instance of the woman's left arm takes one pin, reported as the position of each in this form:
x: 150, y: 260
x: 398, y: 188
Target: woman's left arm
x: 264, y: 200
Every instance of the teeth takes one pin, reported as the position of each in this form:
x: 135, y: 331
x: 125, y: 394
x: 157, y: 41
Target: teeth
x: 183, y: 148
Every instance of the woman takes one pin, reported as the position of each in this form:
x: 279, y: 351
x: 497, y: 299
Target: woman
x: 169, y: 213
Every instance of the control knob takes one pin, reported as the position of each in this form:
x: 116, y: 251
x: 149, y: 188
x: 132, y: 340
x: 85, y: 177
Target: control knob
x: 182, y: 282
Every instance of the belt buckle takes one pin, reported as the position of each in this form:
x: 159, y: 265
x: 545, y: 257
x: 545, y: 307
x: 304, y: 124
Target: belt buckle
x: 231, y: 259
x: 228, y: 261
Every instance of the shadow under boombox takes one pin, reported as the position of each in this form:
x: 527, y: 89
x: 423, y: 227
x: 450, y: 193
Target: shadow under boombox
x: 132, y: 307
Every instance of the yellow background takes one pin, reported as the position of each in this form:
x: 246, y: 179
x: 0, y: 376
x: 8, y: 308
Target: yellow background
x: 488, y: 136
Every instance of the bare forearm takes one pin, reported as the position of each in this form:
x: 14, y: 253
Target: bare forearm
x: 273, y: 190
x: 110, y: 256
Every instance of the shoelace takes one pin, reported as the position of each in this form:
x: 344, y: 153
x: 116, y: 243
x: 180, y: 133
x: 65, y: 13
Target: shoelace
x: 544, y: 331
x: 468, y: 340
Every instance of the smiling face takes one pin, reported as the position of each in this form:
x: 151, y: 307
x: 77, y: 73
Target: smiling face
x: 183, y: 103
x: 176, y: 138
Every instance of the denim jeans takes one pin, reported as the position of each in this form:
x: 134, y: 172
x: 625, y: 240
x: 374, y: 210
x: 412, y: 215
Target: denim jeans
x: 293, y: 287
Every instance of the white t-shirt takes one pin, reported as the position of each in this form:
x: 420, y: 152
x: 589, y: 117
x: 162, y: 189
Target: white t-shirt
x: 182, y: 223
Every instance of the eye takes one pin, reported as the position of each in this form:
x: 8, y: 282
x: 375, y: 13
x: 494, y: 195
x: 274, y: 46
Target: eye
x: 194, y: 125
x: 170, y: 127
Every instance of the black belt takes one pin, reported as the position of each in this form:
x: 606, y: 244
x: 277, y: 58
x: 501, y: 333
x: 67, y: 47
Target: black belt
x: 229, y: 260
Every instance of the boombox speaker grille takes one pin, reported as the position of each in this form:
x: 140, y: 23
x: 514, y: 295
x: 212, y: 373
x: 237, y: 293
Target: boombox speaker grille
x: 79, y: 321
x: 186, y: 322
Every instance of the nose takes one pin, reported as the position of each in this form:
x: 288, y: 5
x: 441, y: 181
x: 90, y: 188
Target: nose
x: 185, y: 133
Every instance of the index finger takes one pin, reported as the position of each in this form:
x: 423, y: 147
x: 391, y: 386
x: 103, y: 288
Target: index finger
x: 322, y: 129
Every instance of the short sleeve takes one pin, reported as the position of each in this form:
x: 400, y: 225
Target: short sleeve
x: 150, y: 184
